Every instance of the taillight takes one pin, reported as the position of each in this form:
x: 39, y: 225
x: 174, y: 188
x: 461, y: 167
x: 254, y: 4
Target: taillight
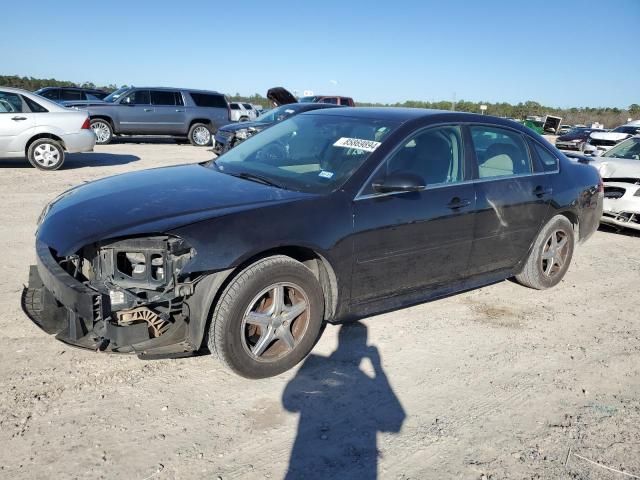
x: 86, y: 125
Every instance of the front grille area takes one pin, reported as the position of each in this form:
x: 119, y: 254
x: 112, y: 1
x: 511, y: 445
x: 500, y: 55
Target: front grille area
x: 614, y: 192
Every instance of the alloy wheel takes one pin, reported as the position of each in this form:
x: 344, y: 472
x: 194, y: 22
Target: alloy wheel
x: 201, y: 135
x: 275, y: 322
x: 102, y: 131
x: 554, y: 253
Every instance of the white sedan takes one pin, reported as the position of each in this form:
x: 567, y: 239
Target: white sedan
x: 32, y: 126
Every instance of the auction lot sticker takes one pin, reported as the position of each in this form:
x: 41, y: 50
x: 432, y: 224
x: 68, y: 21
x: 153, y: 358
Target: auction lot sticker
x: 359, y: 143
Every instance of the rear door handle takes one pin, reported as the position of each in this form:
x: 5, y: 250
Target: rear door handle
x: 17, y: 119
x: 541, y: 191
x: 457, y: 203
x: 148, y: 109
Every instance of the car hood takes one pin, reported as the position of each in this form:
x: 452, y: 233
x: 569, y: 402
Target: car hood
x: 610, y: 167
x: 234, y: 127
x: 281, y: 96
x: 615, y: 136
x: 572, y: 136
x: 149, y: 201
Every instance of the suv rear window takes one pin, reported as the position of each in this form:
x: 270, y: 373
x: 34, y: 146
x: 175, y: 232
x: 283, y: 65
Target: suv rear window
x: 208, y: 100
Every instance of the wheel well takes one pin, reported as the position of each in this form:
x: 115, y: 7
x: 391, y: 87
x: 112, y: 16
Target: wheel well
x: 42, y: 135
x: 206, y: 121
x: 103, y: 117
x: 319, y: 266
x: 573, y: 218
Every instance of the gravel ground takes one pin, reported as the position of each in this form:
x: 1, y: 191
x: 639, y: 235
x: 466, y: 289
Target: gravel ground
x: 501, y: 382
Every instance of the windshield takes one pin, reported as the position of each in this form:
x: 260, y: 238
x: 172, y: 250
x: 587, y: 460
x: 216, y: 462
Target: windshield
x: 277, y: 114
x: 627, y: 129
x: 629, y: 149
x: 308, y: 153
x: 113, y: 96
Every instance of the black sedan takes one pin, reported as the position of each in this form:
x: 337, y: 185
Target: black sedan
x: 230, y: 135
x: 575, y: 139
x: 328, y: 216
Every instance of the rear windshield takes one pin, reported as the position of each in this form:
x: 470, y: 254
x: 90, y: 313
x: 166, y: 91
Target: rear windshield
x: 208, y: 100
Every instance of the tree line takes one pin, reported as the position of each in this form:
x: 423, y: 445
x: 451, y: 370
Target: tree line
x: 609, y: 116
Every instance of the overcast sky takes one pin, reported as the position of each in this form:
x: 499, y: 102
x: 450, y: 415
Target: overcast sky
x: 559, y: 53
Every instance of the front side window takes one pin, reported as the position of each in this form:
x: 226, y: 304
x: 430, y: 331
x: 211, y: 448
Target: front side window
x: 139, y: 97
x: 162, y: 97
x: 331, y: 100
x: 308, y: 153
x: 500, y: 152
x: 247, y: 106
x: 434, y: 155
x: 10, y: 103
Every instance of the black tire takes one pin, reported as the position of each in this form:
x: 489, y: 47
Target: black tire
x: 197, y: 135
x: 540, y: 272
x: 229, y: 337
x: 103, y: 131
x: 46, y: 154
x: 244, y: 119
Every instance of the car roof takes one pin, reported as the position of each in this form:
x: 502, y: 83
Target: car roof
x: 84, y: 89
x: 403, y: 114
x: 173, y: 89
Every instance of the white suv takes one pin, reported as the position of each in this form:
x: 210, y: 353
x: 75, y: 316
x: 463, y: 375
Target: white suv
x: 242, y: 112
x: 41, y: 130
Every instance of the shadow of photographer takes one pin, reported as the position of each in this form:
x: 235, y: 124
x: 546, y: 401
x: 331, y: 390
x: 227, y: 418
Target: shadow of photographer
x: 342, y: 408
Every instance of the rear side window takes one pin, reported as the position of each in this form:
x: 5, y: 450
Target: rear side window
x: 500, y: 152
x: 345, y: 101
x: 331, y: 100
x: 548, y: 161
x: 70, y: 94
x: 34, y: 106
x: 10, y: 103
x: 162, y: 97
x: 53, y: 94
x: 208, y: 100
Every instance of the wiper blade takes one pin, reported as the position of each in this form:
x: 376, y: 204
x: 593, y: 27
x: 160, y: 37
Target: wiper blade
x: 257, y: 178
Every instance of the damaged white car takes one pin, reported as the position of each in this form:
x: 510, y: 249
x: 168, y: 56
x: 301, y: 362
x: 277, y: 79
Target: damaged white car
x: 620, y: 171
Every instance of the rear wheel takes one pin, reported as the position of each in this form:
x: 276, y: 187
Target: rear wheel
x: 200, y: 135
x: 268, y: 318
x: 103, y: 131
x: 46, y: 154
x: 551, y: 255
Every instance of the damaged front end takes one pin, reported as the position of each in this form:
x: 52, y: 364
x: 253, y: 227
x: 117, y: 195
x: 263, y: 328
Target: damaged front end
x: 622, y: 203
x: 121, y: 296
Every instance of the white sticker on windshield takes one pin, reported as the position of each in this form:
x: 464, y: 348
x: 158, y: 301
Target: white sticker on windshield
x: 325, y: 174
x: 358, y: 143
x: 288, y: 110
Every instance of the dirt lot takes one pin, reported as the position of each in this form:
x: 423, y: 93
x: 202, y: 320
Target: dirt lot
x: 502, y: 382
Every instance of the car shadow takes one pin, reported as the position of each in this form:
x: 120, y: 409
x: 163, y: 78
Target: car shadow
x: 78, y: 160
x: 342, y: 408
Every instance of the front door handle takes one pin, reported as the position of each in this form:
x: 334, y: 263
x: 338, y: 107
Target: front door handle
x: 17, y: 119
x: 457, y: 203
x: 178, y: 110
x: 541, y: 191
x: 148, y: 109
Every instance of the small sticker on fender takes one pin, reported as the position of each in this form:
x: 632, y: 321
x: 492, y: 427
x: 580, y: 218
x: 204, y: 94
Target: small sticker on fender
x: 357, y: 143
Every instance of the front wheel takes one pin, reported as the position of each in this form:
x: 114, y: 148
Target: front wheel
x: 103, y: 131
x: 268, y: 318
x: 200, y: 135
x: 46, y: 154
x: 551, y: 255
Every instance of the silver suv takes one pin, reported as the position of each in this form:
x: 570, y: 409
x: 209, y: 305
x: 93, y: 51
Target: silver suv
x: 177, y: 112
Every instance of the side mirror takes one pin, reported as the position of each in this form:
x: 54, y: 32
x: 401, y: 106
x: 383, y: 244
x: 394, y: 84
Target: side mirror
x: 399, y: 182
